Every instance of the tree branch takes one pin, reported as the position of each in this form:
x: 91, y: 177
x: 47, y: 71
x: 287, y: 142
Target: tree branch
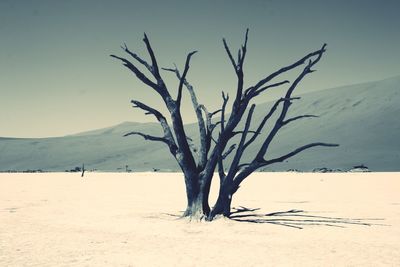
x: 162, y: 120
x: 197, y: 109
x: 148, y: 109
x: 229, y: 151
x: 137, y: 72
x: 183, y: 78
x: 242, y: 55
x: 238, y: 66
x: 289, y: 67
x: 241, y: 132
x: 251, y: 167
x: 148, y: 137
x: 216, y: 112
x: 209, y: 127
x: 259, y: 161
x: 297, y: 118
x: 295, y: 152
x: 154, y: 64
x: 225, y: 99
x: 239, y: 151
x: 286, y: 104
x: 228, y: 51
x: 238, y: 107
x: 135, y: 56
x: 266, y: 118
x: 251, y: 92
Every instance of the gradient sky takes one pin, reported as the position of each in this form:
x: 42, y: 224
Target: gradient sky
x: 56, y: 76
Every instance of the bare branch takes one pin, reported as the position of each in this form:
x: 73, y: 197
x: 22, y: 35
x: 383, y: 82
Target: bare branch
x: 238, y: 107
x: 137, y: 72
x: 208, y: 117
x: 289, y: 67
x: 214, y: 125
x: 163, y: 121
x: 214, y: 140
x: 148, y: 137
x: 185, y: 158
x: 239, y: 56
x: 252, y: 92
x: 228, y: 51
x: 204, y: 144
x: 221, y: 170
x: 225, y: 99
x: 154, y: 64
x: 229, y: 151
x: 239, y: 151
x: 241, y: 53
x: 170, y: 69
x: 241, y: 132
x: 135, y: 56
x: 266, y: 118
x: 148, y: 109
x: 210, y: 127
x: 240, y: 75
x: 241, y: 166
x: 286, y: 104
x: 259, y: 161
x: 251, y: 167
x: 183, y: 78
x: 295, y: 152
x: 297, y: 118
x: 244, y: 49
x: 215, y: 112
x: 306, y: 71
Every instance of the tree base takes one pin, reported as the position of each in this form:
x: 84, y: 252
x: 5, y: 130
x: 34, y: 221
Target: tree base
x: 222, y: 207
x: 197, y: 216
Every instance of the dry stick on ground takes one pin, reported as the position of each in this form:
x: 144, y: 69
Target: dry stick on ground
x: 198, y: 166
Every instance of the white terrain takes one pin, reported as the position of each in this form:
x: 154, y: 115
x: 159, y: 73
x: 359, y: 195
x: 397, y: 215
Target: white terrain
x: 362, y: 119
x: 121, y: 219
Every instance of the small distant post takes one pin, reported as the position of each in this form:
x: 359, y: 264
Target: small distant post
x: 83, y: 169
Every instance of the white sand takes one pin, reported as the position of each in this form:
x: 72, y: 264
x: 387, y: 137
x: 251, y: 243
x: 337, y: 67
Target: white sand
x: 107, y: 219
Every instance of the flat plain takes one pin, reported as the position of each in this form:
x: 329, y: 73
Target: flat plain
x: 131, y: 219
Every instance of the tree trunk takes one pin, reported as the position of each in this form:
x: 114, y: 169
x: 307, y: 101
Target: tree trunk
x: 197, y: 192
x: 194, y: 207
x: 205, y: 187
x: 223, y: 204
x: 197, y: 207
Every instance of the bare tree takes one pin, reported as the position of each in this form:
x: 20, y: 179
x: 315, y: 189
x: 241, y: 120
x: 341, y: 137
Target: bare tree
x: 215, y: 134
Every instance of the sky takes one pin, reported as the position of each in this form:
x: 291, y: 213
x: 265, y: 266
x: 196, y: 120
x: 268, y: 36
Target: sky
x: 57, y: 78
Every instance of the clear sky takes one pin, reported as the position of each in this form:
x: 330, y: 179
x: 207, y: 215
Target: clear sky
x: 56, y: 76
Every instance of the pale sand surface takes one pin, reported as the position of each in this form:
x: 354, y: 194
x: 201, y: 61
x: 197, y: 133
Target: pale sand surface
x: 108, y: 219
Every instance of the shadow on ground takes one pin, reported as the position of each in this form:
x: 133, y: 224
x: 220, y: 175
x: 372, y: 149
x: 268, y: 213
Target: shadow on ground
x: 297, y: 218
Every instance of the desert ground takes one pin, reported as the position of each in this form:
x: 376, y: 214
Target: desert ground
x: 130, y: 219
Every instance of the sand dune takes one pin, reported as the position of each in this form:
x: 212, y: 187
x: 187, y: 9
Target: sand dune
x: 361, y: 118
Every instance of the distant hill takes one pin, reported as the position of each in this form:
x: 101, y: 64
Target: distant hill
x: 362, y: 118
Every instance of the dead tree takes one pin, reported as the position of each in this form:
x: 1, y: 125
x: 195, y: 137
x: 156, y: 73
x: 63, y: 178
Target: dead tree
x: 215, y: 134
